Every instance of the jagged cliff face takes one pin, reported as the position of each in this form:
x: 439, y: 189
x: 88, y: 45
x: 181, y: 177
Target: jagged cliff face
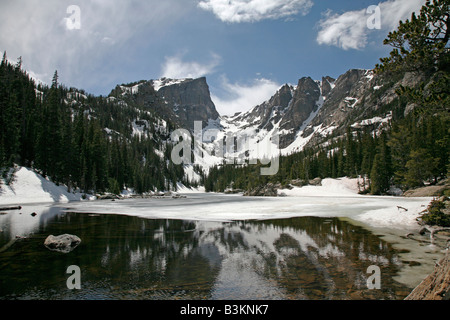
x: 190, y: 100
x: 305, y: 101
x: 346, y: 95
x: 289, y: 110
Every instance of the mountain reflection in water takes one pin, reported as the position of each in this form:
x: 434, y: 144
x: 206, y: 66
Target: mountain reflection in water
x: 123, y: 257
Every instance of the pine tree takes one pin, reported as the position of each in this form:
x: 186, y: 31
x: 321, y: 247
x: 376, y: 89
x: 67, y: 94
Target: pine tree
x: 381, y: 172
x: 51, y: 134
x: 421, y: 46
x: 68, y: 155
x: 377, y: 176
x: 418, y: 168
x: 78, y: 137
x: 29, y: 125
x: 420, y: 42
x: 351, y: 163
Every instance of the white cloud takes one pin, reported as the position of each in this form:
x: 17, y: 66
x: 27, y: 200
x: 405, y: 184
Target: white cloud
x: 238, y: 97
x: 349, y: 30
x: 346, y: 31
x: 38, y: 31
x: 175, y: 68
x: 242, y: 98
x: 395, y: 10
x: 255, y: 10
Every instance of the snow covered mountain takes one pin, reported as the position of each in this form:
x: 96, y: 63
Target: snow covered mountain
x: 314, y: 111
x: 311, y: 112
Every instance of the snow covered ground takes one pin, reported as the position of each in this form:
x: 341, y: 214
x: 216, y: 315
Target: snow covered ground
x: 30, y: 187
x: 377, y: 211
x: 329, y: 187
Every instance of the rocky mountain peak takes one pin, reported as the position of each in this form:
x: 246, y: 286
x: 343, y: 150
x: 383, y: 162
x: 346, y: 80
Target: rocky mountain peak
x: 190, y: 100
x: 283, y: 96
x: 263, y: 116
x: 345, y: 96
x: 183, y: 101
x: 328, y: 84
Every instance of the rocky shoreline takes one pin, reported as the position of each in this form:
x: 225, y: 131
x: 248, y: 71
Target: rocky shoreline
x: 429, y: 191
x: 437, y: 285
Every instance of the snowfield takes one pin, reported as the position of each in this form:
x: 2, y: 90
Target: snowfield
x: 30, y: 187
x: 329, y: 187
x: 377, y: 211
x: 334, y: 198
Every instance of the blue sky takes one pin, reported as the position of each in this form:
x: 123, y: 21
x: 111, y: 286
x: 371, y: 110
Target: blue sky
x: 245, y: 48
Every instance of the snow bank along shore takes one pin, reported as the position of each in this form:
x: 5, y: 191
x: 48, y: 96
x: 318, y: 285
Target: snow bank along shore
x: 30, y: 187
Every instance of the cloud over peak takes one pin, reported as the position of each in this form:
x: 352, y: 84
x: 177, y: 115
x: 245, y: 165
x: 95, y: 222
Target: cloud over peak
x: 236, y: 11
x: 175, y: 68
x: 241, y: 97
x: 350, y: 29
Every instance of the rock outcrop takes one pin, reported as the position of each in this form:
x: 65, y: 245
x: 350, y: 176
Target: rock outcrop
x: 191, y: 101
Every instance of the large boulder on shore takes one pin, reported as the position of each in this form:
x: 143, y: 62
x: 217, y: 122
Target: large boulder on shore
x: 64, y: 243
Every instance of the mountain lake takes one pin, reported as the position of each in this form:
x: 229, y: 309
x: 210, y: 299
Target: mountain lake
x: 211, y: 247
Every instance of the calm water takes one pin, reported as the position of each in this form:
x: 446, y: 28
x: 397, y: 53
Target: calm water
x: 125, y: 257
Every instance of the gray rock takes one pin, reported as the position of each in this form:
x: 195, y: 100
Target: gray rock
x: 395, y: 191
x: 298, y: 183
x: 326, y: 85
x: 409, y: 108
x: 64, y: 243
x: 315, y: 182
x: 268, y: 190
x: 108, y: 197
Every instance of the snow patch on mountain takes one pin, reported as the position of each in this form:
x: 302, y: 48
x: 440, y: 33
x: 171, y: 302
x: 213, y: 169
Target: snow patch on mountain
x: 299, y: 143
x: 374, y: 120
x: 165, y: 82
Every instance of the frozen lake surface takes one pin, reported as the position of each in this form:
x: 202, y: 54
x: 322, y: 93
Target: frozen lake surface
x: 374, y: 211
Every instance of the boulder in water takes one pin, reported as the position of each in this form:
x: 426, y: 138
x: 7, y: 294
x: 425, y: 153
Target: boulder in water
x: 64, y: 243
